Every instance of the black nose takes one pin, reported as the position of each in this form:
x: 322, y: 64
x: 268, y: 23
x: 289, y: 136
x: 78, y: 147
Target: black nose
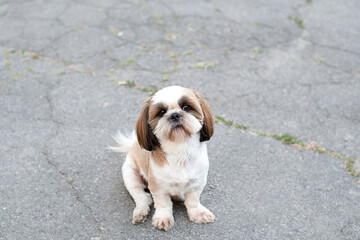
x: 175, y: 117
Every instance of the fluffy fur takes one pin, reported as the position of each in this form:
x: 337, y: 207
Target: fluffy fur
x: 167, y: 154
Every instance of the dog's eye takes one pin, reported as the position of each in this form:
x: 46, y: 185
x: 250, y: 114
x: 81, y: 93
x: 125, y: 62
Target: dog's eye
x: 186, y: 108
x: 162, y: 112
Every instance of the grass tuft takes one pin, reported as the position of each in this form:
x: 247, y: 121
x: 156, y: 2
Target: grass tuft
x: 175, y: 69
x: 35, y: 56
x: 261, y: 133
x: 241, y: 127
x: 287, y: 139
x: 114, y: 31
x: 257, y: 50
x: 205, y: 65
x: 319, y: 60
x: 152, y: 90
x: 4, y: 14
x: 219, y: 119
x: 188, y: 53
x: 298, y: 22
x: 129, y: 83
x: 129, y: 61
x: 8, y: 64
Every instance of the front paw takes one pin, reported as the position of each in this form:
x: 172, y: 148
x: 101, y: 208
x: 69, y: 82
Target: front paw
x: 200, y: 215
x: 142, y: 210
x: 163, y: 222
x: 140, y: 213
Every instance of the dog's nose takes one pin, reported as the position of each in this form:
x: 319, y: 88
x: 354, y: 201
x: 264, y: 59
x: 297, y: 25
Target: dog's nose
x: 175, y: 117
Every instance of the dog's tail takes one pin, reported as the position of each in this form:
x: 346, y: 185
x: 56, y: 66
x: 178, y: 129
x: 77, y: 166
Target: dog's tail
x: 124, y: 142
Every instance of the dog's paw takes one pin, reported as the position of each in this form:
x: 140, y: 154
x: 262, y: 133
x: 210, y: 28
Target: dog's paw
x: 140, y: 213
x: 142, y: 209
x: 163, y: 223
x: 200, y: 215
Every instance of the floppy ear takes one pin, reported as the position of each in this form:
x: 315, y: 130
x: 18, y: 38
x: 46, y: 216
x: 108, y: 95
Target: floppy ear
x: 207, y: 129
x: 145, y: 136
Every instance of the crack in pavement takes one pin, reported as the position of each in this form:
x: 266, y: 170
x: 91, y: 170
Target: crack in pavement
x: 63, y: 174
x: 298, y: 144
x: 75, y: 191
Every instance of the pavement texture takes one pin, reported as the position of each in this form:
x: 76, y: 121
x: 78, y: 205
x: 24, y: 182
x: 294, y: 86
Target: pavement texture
x: 73, y: 73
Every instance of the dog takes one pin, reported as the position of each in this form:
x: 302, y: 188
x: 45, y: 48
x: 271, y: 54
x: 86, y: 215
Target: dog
x: 167, y: 155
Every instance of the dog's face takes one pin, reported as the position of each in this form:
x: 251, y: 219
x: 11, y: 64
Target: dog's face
x: 174, y: 113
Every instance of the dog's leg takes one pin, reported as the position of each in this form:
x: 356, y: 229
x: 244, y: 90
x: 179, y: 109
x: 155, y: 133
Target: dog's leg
x: 136, y: 187
x: 163, y: 218
x: 196, y: 211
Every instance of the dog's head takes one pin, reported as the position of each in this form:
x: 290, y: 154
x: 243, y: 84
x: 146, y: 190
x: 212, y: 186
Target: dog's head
x: 174, y: 114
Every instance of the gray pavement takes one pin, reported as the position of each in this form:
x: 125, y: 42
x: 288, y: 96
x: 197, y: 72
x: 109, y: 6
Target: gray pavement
x: 72, y: 73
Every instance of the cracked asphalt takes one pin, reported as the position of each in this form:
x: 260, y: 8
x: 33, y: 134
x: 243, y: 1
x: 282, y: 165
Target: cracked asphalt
x: 72, y: 73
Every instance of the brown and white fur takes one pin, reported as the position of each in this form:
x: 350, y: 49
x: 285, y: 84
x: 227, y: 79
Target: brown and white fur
x: 168, y: 155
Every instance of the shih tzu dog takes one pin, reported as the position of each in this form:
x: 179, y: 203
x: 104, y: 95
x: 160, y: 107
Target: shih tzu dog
x: 168, y: 156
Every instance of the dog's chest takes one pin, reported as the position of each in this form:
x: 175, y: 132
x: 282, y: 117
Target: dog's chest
x: 178, y: 178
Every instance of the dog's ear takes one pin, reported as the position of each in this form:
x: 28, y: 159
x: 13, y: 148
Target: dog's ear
x: 207, y: 129
x: 145, y: 136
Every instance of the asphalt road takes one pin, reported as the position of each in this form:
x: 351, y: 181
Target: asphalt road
x: 73, y: 73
